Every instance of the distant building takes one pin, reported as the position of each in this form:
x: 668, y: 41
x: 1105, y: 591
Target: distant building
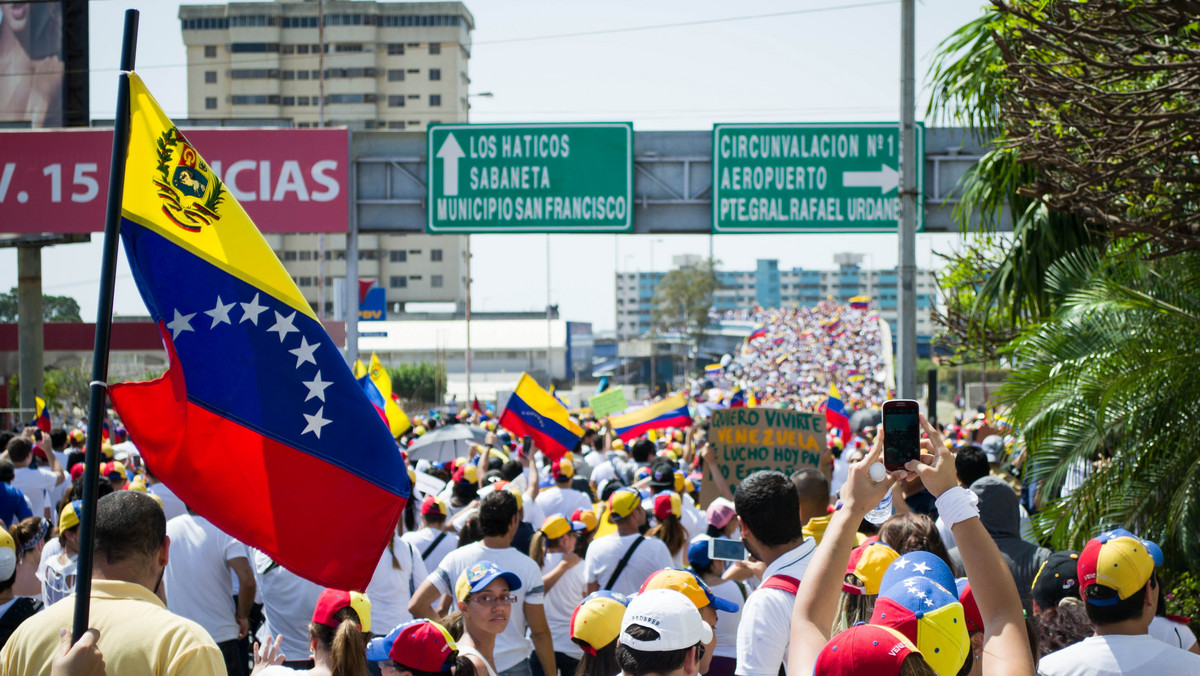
x: 387, y: 65
x: 768, y: 286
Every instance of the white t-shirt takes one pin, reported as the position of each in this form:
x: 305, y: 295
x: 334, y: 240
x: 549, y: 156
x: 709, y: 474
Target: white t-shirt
x: 421, y: 539
x: 564, y: 501
x: 763, y: 632
x: 511, y: 646
x: 1166, y: 630
x: 391, y: 587
x: 171, y: 504
x: 35, y: 484
x: 561, y: 600
x: 727, y: 623
x: 197, y: 577
x: 532, y: 513
x: 288, y: 603
x: 58, y: 579
x: 605, y: 553
x: 1119, y: 654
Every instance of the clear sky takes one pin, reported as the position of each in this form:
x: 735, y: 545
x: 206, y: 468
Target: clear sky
x: 751, y: 61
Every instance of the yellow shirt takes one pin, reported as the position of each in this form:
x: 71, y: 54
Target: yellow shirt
x: 138, y: 636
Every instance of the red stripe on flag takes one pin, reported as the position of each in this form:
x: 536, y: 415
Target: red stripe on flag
x: 655, y: 424
x: 270, y: 496
x: 544, y: 442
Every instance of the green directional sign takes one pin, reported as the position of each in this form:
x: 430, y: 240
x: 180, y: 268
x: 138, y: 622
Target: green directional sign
x: 809, y: 177
x: 488, y: 178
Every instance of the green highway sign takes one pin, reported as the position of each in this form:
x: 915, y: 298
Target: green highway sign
x: 487, y: 178
x: 809, y: 177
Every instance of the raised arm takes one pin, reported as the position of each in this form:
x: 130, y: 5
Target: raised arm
x: 1005, y: 641
x: 817, y: 598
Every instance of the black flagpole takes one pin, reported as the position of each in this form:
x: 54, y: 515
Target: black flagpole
x: 98, y: 403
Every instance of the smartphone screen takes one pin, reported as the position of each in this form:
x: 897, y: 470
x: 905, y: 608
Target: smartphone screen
x: 526, y: 445
x: 726, y: 549
x: 901, y: 433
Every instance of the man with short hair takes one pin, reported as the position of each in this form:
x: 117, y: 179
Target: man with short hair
x: 35, y: 482
x: 1120, y: 590
x: 662, y: 634
x: 138, y: 635
x: 813, y: 489
x: 199, y: 585
x: 13, y: 504
x: 768, y: 509
x: 499, y: 516
x: 621, y: 562
x: 560, y: 498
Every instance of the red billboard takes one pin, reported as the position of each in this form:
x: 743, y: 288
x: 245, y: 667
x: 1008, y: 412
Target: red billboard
x: 288, y: 180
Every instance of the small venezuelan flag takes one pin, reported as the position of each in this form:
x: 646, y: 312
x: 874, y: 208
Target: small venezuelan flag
x: 535, y: 412
x: 670, y: 412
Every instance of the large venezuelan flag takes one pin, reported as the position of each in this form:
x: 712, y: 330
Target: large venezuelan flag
x: 258, y: 423
x: 835, y: 414
x: 535, y: 412
x: 670, y: 412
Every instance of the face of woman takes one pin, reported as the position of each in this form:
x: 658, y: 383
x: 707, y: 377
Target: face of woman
x: 15, y: 16
x: 488, y: 609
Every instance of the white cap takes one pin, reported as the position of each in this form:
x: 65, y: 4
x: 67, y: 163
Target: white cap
x: 669, y: 613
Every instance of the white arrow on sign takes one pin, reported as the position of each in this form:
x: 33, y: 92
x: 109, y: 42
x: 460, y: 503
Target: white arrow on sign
x: 886, y: 179
x: 450, y: 153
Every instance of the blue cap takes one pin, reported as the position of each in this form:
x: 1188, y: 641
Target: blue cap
x: 921, y: 564
x: 698, y: 553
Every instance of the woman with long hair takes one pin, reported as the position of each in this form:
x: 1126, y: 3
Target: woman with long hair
x: 913, y: 532
x: 484, y: 596
x: 30, y: 536
x: 594, y: 628
x: 553, y: 548
x: 668, y: 507
x: 337, y: 637
x: 860, y: 588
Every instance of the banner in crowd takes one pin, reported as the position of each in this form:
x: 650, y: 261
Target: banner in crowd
x: 748, y: 440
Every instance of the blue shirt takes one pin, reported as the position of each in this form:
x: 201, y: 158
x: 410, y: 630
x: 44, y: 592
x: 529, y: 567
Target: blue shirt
x: 13, y: 505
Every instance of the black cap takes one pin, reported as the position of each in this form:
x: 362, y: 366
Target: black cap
x: 1058, y: 579
x: 662, y: 474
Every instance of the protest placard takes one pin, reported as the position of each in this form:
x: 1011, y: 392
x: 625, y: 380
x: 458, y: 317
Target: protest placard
x: 748, y: 440
x: 608, y: 402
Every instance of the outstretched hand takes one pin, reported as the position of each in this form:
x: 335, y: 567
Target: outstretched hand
x: 267, y: 654
x: 861, y: 493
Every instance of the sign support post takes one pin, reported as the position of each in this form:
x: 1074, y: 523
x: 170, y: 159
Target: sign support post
x: 906, y: 316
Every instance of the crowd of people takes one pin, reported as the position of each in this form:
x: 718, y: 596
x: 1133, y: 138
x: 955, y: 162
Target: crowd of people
x: 602, y: 561
x: 793, y: 356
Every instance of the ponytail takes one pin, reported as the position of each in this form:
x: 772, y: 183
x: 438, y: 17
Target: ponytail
x: 348, y: 653
x: 463, y: 666
x: 671, y: 531
x: 538, y: 547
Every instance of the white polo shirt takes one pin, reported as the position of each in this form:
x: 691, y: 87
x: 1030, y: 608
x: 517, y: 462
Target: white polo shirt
x: 762, y: 638
x: 606, y: 552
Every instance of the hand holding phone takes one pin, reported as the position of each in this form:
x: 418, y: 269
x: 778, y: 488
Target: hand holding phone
x: 901, y: 433
x: 526, y: 445
x: 726, y: 549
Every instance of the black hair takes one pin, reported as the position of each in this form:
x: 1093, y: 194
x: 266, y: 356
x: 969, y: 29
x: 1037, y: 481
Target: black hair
x: 640, y: 662
x: 642, y: 450
x: 129, y: 525
x: 19, y: 449
x: 410, y: 515
x: 58, y: 439
x: 464, y: 494
x: 1062, y: 625
x: 812, y: 487
x: 496, y: 513
x: 5, y: 437
x: 769, y: 507
x: 494, y: 464
x: 1123, y: 609
x: 971, y: 464
x: 511, y: 470
x: 603, y: 663
x: 470, y: 532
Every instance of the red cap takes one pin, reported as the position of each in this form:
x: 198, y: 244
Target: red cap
x: 864, y: 649
x: 970, y: 608
x: 432, y: 505
x: 333, y: 600
x: 76, y: 471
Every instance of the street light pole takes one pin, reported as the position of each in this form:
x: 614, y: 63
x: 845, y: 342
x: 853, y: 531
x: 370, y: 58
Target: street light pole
x: 467, y: 310
x: 906, y: 319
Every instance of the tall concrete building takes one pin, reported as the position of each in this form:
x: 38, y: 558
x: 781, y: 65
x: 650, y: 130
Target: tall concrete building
x: 384, y: 65
x: 768, y: 286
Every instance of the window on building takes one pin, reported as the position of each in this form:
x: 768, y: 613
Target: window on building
x: 302, y: 74
x: 253, y: 47
x: 287, y: 49
x: 435, y: 255
x: 395, y: 75
x: 348, y: 47
x: 287, y: 75
x: 435, y: 73
x: 210, y: 51
x: 210, y: 103
x: 435, y: 99
x: 256, y: 100
x: 398, y: 256
x: 289, y: 255
x: 289, y: 100
x: 435, y: 48
x: 210, y: 77
x: 301, y: 49
x: 306, y: 255
x: 303, y: 101
x: 368, y: 255
x: 395, y: 101
x: 305, y: 281
x: 397, y: 281
x: 395, y: 124
x: 254, y: 73
x: 415, y: 278
x: 435, y: 281
x: 395, y: 48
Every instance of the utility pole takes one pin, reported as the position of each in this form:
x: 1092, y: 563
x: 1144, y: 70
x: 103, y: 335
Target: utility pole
x: 321, y: 123
x: 906, y: 318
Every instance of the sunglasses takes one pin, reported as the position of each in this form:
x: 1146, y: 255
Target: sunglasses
x: 491, y: 599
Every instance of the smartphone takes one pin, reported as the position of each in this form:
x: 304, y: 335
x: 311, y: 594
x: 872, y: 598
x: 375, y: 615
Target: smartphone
x: 726, y: 549
x: 526, y: 445
x: 901, y: 433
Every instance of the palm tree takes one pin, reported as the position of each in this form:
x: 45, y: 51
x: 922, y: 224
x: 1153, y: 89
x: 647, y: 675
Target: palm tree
x: 1109, y: 384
